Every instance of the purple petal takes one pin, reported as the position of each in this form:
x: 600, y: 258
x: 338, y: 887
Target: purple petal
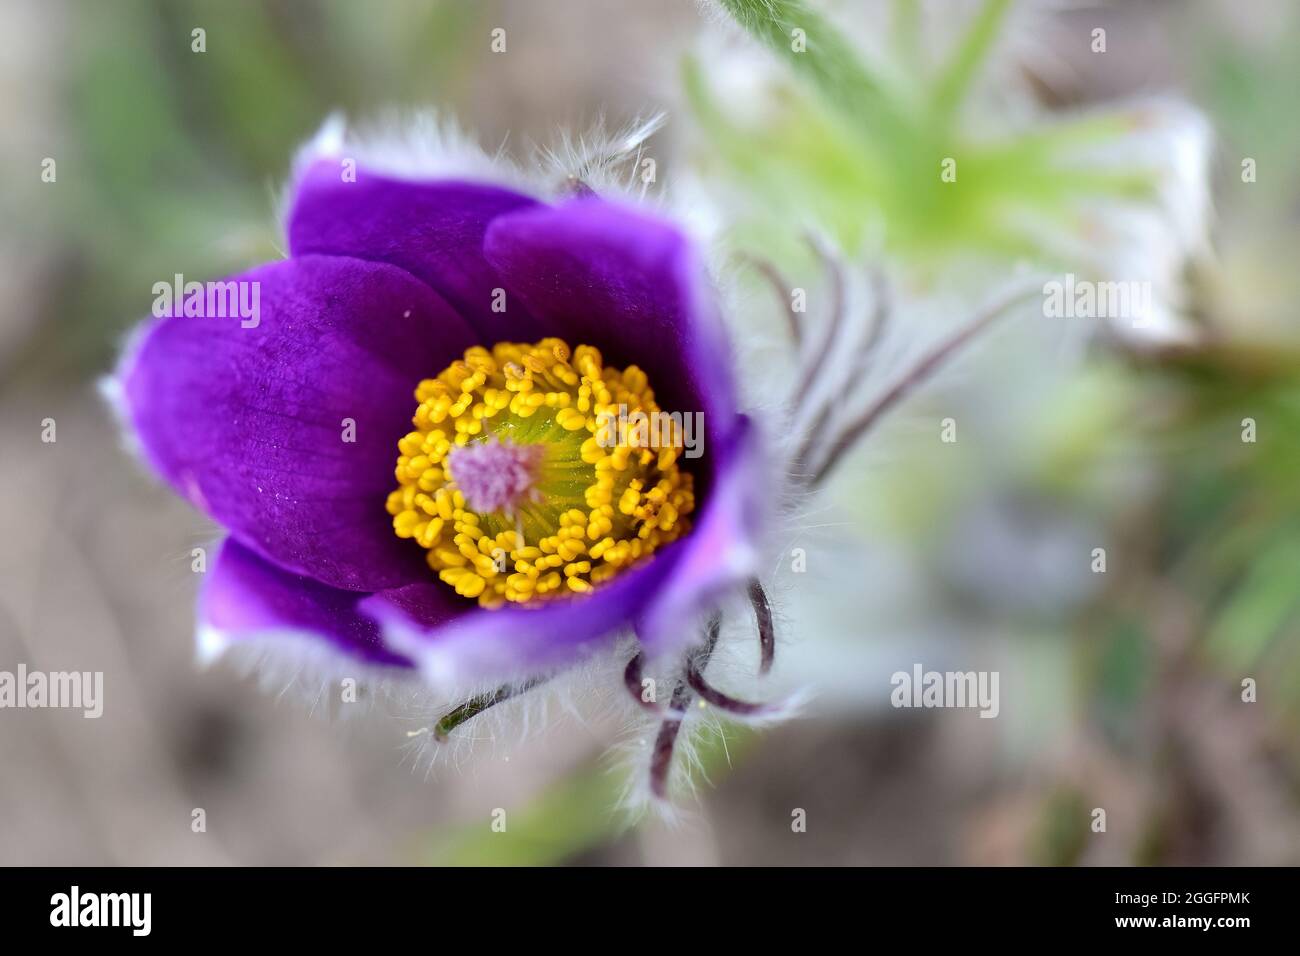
x: 245, y: 597
x: 434, y: 230
x: 629, y: 284
x: 455, y: 650
x: 249, y: 423
x: 719, y: 552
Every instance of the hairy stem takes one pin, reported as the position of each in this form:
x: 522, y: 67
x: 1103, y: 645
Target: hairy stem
x: 632, y: 681
x: 782, y: 289
x: 661, y: 758
x: 857, y: 371
x: 476, y: 705
x: 835, y: 323
x: 766, y: 632
x: 930, y: 363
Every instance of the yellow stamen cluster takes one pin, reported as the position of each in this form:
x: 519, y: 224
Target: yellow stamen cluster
x: 597, y: 506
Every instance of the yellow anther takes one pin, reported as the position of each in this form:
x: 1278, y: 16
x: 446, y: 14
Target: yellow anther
x: 597, y: 503
x: 570, y: 419
x: 405, y: 523
x: 427, y: 536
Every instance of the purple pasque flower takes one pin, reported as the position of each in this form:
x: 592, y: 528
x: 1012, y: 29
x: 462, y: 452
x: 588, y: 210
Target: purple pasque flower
x: 499, y: 324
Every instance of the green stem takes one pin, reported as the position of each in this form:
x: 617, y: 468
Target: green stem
x: 476, y: 705
x: 958, y: 75
x: 816, y: 51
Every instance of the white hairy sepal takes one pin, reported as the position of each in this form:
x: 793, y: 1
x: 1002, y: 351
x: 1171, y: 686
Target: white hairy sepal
x: 302, y: 667
x: 1156, y: 242
x: 426, y: 145
x: 410, y: 145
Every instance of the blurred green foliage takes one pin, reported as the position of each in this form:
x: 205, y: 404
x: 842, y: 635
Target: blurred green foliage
x: 579, y: 812
x: 175, y: 155
x: 859, y: 148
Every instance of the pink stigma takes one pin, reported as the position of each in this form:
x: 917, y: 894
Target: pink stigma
x: 495, y: 476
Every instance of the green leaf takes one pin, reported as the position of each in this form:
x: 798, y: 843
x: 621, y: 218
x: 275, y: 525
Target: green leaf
x: 958, y: 75
x: 827, y: 61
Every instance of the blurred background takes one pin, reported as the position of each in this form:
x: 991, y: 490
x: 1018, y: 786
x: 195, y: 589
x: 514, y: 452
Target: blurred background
x: 1120, y: 690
